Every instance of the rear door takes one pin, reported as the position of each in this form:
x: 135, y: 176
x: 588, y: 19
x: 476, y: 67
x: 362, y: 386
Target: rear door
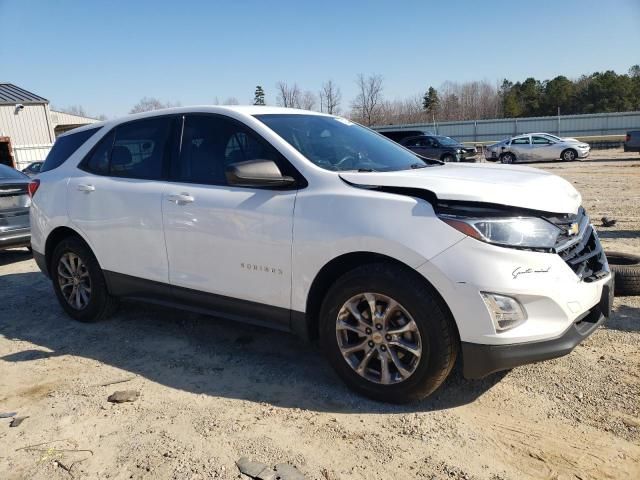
x: 115, y: 200
x: 229, y: 241
x: 521, y: 148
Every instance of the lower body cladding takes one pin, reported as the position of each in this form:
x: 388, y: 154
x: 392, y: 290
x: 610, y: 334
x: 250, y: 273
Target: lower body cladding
x: 14, y: 238
x: 514, y: 307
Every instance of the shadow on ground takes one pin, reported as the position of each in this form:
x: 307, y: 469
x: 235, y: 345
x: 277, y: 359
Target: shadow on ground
x: 198, y: 354
x: 12, y: 256
x: 624, y: 318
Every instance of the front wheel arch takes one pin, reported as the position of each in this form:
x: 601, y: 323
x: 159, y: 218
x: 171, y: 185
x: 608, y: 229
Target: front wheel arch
x: 339, y: 266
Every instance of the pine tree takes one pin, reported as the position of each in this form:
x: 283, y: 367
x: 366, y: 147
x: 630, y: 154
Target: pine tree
x: 431, y: 101
x: 258, y: 98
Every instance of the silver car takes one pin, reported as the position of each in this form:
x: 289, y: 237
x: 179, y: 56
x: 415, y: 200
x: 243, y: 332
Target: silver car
x: 537, y: 147
x: 14, y: 209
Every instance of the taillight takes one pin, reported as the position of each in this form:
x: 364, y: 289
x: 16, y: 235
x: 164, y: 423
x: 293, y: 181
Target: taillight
x: 628, y: 139
x: 33, y: 187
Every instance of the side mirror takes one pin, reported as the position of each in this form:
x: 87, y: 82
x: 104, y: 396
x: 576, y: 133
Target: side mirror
x: 258, y: 174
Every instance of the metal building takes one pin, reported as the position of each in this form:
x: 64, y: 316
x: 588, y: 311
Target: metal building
x: 28, y: 127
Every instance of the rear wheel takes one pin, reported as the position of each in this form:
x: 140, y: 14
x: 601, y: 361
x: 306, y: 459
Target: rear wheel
x: 507, y: 158
x: 387, y: 335
x: 79, y: 282
x: 569, y: 155
x: 448, y: 158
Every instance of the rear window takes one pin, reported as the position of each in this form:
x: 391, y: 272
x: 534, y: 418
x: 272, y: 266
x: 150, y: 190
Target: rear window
x: 65, y: 147
x: 8, y: 173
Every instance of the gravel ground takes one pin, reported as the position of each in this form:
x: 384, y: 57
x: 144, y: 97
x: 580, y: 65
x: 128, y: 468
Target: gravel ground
x: 213, y: 391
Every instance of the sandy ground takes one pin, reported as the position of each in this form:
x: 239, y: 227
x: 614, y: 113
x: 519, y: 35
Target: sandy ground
x: 213, y: 391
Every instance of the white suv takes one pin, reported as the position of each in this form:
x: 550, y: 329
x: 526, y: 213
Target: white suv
x: 313, y: 224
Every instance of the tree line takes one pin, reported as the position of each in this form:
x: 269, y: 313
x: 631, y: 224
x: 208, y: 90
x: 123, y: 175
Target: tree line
x: 598, y: 92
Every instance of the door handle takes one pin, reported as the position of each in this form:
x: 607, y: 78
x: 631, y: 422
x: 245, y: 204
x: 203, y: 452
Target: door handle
x: 82, y: 187
x: 180, y: 198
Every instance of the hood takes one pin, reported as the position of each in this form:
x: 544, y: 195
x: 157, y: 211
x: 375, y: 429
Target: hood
x: 516, y: 186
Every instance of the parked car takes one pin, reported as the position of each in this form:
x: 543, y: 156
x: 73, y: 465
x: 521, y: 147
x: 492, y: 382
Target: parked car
x: 536, y: 148
x: 32, y: 169
x: 310, y: 223
x: 14, y: 208
x: 632, y: 141
x: 440, y: 147
x: 400, y: 134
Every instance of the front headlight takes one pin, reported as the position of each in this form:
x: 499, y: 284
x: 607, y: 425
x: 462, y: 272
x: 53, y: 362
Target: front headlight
x: 525, y: 232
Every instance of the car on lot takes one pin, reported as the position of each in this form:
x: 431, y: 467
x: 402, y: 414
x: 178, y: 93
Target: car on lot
x: 536, y: 148
x: 632, y: 141
x: 32, y: 169
x: 14, y: 208
x: 440, y: 147
x: 313, y: 224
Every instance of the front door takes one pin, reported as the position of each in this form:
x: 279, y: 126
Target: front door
x: 226, y: 243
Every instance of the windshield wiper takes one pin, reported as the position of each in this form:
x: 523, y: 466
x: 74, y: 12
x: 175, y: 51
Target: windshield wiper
x: 366, y: 170
x: 418, y: 165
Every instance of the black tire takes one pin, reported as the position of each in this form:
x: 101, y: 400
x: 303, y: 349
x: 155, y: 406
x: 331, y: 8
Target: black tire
x: 436, y: 328
x: 507, y: 158
x: 100, y: 304
x: 569, y: 155
x: 626, y: 268
x: 448, y: 158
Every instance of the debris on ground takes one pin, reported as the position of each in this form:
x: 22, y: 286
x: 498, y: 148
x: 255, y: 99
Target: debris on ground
x: 608, y: 222
x: 123, y: 396
x: 17, y: 421
x: 260, y: 471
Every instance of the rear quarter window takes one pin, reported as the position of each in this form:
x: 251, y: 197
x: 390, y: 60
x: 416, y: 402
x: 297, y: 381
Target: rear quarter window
x: 65, y: 147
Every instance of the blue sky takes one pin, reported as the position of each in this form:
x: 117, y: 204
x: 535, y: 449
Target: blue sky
x: 105, y: 56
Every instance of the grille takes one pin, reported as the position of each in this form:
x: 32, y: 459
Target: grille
x: 582, y: 251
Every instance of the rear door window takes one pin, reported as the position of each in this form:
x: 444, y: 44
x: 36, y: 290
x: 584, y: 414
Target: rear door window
x: 66, y: 146
x: 140, y: 148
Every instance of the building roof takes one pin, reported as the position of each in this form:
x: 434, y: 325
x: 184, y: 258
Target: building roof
x: 11, y: 94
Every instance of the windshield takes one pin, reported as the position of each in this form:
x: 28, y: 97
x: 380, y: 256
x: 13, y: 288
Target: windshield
x: 552, y: 137
x: 8, y: 173
x: 447, y: 141
x: 338, y: 144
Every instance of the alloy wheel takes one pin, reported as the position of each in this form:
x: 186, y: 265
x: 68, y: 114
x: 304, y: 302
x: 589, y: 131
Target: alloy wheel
x: 569, y: 155
x: 74, y: 280
x: 378, y: 338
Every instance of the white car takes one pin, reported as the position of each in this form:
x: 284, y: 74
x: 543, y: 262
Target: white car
x: 313, y: 224
x: 537, y: 147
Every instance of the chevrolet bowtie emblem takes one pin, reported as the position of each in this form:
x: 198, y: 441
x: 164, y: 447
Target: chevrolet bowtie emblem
x: 574, y: 229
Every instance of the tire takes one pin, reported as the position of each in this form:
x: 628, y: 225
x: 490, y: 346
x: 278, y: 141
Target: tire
x: 507, y: 158
x: 95, y: 306
x: 569, y: 155
x: 448, y: 158
x: 432, y: 326
x: 626, y: 269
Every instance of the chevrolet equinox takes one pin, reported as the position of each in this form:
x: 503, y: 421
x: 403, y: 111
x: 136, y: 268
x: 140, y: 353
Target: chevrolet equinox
x: 313, y: 224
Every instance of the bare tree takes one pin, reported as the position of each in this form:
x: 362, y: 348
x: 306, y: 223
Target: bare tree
x: 288, y: 96
x: 231, y: 101
x: 367, y: 105
x: 146, y: 104
x: 330, y: 97
x: 307, y: 101
x: 75, y: 110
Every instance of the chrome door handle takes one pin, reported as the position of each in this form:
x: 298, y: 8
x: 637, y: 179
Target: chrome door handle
x: 86, y: 188
x: 180, y: 198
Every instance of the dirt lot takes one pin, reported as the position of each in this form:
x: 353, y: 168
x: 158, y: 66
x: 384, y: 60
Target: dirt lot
x: 213, y: 391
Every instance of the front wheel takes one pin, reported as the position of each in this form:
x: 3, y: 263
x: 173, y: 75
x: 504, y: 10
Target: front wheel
x: 569, y: 155
x: 79, y: 282
x: 448, y: 158
x: 387, y: 334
